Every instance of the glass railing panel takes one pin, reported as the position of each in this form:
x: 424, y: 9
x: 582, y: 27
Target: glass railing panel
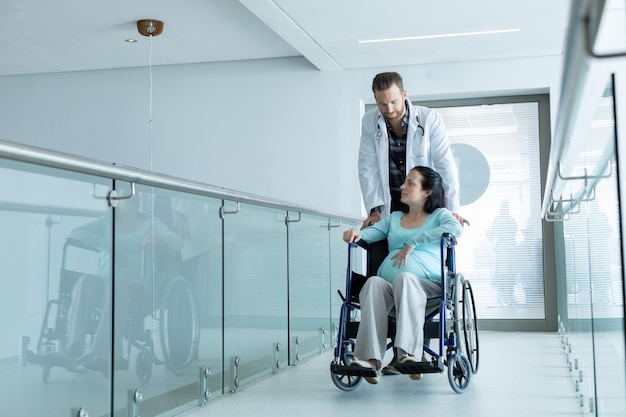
x: 202, y: 268
x: 607, y: 301
x: 44, y: 367
x: 309, y: 286
x: 144, y: 308
x: 255, y: 293
x: 157, y: 326
x: 607, y: 284
x: 593, y: 265
x: 580, y: 339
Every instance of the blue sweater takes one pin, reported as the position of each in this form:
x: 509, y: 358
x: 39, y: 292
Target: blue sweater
x: 424, y: 261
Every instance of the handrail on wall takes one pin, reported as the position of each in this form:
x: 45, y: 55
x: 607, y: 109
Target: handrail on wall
x: 582, y: 30
x: 53, y: 159
x: 585, y: 193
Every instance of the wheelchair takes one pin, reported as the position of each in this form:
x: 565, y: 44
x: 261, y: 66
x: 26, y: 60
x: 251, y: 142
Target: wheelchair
x: 176, y: 312
x: 451, y: 319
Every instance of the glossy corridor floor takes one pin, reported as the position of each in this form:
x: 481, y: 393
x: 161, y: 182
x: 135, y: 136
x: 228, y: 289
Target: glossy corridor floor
x: 519, y: 375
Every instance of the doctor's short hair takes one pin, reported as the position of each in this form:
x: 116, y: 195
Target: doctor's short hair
x: 386, y: 80
x: 431, y: 180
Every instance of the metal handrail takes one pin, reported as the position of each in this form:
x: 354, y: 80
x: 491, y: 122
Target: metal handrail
x: 586, y: 192
x: 575, y: 68
x: 59, y: 160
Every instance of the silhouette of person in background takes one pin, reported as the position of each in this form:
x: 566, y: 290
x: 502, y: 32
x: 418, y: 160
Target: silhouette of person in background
x: 503, y: 233
x: 601, y: 242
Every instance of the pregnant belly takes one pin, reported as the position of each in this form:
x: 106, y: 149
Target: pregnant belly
x: 388, y: 271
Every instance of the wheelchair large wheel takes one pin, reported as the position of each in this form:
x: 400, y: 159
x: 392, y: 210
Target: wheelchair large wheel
x: 470, y: 326
x: 179, y: 325
x: 342, y: 381
x: 465, y: 325
x: 459, y: 372
x: 457, y: 309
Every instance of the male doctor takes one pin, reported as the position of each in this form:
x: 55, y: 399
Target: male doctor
x: 396, y: 137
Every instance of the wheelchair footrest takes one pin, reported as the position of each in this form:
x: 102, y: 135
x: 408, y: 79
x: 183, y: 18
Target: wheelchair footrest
x: 352, y: 370
x: 428, y: 367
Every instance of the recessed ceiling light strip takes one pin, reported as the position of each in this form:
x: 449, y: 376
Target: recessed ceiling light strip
x: 447, y: 35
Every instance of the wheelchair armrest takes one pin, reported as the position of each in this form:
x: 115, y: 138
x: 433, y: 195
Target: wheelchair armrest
x: 361, y: 243
x: 79, y: 244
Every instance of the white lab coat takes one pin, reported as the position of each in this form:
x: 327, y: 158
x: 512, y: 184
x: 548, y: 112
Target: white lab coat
x: 430, y: 148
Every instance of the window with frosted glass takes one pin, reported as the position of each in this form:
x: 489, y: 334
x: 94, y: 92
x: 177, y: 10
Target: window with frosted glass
x: 496, y: 147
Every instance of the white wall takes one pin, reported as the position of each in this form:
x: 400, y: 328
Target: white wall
x: 277, y: 128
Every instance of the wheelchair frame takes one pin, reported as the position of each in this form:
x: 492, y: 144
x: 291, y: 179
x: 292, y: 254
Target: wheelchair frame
x: 456, y: 329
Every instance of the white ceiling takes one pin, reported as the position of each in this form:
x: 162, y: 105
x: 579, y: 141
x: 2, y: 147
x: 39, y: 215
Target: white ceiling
x: 40, y: 36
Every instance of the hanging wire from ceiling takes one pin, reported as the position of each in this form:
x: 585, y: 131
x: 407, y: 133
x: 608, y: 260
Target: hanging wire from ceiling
x: 150, y: 100
x: 150, y: 28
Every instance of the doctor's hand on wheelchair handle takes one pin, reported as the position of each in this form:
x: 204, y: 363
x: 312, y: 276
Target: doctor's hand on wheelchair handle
x: 374, y: 217
x: 351, y: 235
x: 461, y: 219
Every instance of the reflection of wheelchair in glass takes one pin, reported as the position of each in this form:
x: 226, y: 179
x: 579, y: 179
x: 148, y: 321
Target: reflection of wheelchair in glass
x: 78, y: 320
x: 450, y: 318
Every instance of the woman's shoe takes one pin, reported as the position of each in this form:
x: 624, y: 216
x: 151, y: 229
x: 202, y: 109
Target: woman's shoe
x: 390, y: 369
x: 366, y: 364
x: 412, y: 359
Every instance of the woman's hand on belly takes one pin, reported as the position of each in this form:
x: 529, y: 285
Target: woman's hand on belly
x: 399, y: 258
x: 389, y: 270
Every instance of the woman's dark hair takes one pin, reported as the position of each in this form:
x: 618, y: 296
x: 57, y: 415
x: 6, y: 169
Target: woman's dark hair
x: 386, y: 80
x: 431, y: 180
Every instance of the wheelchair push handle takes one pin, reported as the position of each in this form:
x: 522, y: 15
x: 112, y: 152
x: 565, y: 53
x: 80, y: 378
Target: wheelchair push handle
x: 448, y: 240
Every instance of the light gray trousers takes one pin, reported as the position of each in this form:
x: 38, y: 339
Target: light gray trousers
x: 409, y: 295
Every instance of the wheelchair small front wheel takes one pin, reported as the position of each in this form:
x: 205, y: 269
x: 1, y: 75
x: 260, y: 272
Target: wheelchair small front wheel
x: 344, y: 382
x: 143, y: 365
x: 459, y: 372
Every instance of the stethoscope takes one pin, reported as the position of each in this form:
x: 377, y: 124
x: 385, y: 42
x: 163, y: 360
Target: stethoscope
x: 379, y: 134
